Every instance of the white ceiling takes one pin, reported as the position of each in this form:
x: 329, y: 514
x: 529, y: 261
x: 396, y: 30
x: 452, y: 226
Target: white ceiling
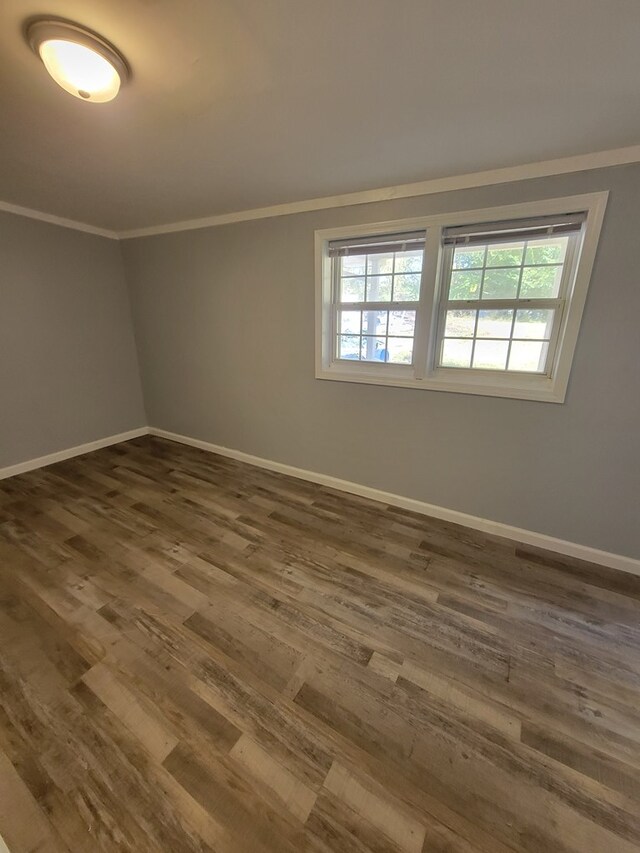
x: 238, y: 104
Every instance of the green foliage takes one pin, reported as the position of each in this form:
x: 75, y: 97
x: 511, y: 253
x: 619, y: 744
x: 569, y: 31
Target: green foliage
x: 465, y: 284
x: 500, y: 283
x: 406, y: 288
x: 408, y: 262
x: 551, y: 252
x: 540, y: 282
x: 505, y: 256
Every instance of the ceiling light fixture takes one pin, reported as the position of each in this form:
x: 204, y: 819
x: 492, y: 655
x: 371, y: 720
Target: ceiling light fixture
x: 80, y: 61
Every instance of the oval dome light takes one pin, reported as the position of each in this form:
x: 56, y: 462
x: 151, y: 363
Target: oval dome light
x: 81, y: 62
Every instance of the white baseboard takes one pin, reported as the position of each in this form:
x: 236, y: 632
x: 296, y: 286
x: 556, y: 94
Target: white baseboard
x: 496, y: 528
x: 485, y: 525
x: 61, y: 455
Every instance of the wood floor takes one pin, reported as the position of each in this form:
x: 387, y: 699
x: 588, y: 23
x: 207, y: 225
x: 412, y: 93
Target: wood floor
x: 199, y: 655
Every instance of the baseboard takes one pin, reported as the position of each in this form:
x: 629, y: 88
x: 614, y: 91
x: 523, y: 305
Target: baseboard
x: 61, y: 455
x: 485, y: 525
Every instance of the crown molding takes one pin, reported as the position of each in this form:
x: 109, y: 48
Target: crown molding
x: 52, y: 219
x: 508, y: 174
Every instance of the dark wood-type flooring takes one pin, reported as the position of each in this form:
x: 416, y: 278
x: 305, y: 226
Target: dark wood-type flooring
x: 200, y: 655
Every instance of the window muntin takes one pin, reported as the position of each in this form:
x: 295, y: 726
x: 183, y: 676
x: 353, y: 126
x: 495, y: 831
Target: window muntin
x: 504, y: 298
x: 509, y: 318
x: 376, y: 291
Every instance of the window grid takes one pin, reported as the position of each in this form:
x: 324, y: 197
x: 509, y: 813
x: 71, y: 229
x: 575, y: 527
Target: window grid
x: 513, y: 304
x: 375, y: 307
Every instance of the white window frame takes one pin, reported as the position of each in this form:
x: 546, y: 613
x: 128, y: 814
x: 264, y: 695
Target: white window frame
x: 424, y: 373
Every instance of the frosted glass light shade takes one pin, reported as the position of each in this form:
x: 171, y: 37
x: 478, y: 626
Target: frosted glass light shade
x: 80, y: 61
x: 80, y: 71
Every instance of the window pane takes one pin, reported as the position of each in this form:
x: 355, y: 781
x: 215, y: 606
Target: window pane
x: 480, y: 335
x: 490, y: 355
x: 456, y: 353
x: 406, y: 288
x: 400, y: 350
x: 494, y: 324
x: 373, y: 349
x: 378, y: 263
x: 533, y: 324
x: 349, y: 346
x: 377, y: 276
x: 352, y: 290
x: 353, y: 265
x: 409, y: 261
x: 540, y: 282
x: 500, y: 284
x: 529, y: 356
x: 465, y: 258
x: 460, y: 324
x: 374, y: 322
x: 505, y: 254
x: 402, y: 323
x: 350, y: 322
x: 546, y: 251
x: 465, y: 284
x: 378, y: 288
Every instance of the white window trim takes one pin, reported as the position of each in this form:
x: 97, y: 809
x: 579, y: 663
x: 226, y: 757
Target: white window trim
x: 547, y: 388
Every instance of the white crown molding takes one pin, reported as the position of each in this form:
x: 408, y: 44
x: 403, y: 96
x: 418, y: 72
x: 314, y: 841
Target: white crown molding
x: 544, y: 168
x: 485, y: 525
x: 61, y: 455
x: 56, y: 220
x: 527, y: 171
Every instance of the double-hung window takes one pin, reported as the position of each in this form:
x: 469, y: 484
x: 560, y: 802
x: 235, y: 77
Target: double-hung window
x: 483, y: 302
x: 377, y: 287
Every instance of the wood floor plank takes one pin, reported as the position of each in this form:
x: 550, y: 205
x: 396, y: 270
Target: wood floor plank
x: 406, y: 832
x: 154, y: 736
x: 24, y: 826
x: 199, y: 655
x: 297, y: 797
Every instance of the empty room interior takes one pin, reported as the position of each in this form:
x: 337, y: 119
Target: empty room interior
x: 319, y: 426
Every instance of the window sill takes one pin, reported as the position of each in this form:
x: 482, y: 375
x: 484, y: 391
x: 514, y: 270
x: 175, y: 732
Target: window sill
x: 539, y: 388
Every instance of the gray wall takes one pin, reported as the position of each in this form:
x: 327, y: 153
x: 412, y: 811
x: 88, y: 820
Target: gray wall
x: 224, y: 321
x: 68, y: 364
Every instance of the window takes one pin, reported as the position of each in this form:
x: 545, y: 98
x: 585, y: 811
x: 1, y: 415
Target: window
x: 505, y: 289
x: 484, y: 302
x: 377, y: 283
